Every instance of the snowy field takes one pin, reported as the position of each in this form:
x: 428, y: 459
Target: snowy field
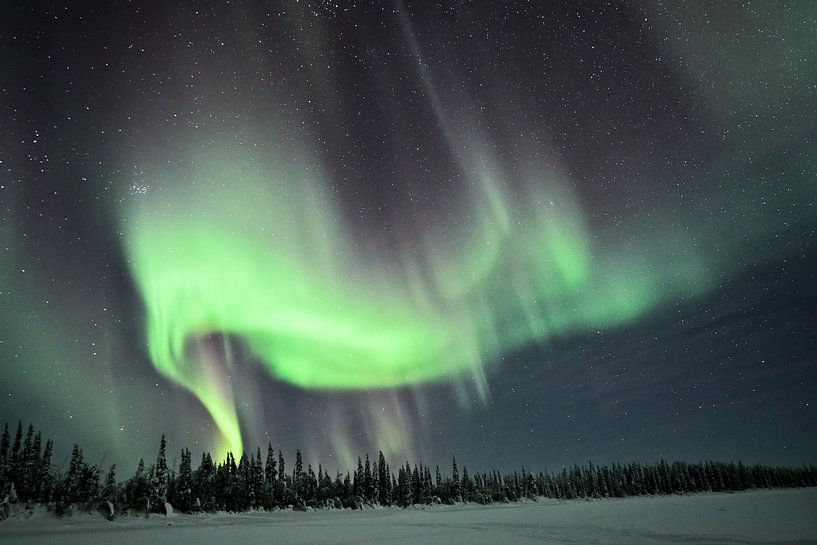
x: 769, y: 517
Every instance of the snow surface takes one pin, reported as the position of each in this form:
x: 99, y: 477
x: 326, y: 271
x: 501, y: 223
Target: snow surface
x: 758, y: 517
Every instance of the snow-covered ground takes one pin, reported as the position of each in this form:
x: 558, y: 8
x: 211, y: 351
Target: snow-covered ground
x: 768, y: 517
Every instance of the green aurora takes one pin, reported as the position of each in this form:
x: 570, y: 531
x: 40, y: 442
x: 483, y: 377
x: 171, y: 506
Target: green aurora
x: 251, y: 244
x: 270, y: 262
x: 241, y: 235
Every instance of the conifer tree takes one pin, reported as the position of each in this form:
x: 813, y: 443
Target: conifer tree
x: 297, y: 474
x: 456, y: 494
x: 257, y: 480
x: 220, y: 484
x: 299, y: 465
x: 45, y: 486
x: 404, y: 486
x: 270, y: 479
x: 109, y: 493
x: 368, y: 482
x: 13, y: 464
x: 416, y: 486
x: 320, y: 493
x: 427, y: 491
x: 241, y: 484
x: 73, y: 480
x: 36, y: 463
x: 183, y: 495
x: 5, y: 443
x: 137, y: 490
x: 281, y: 466
x: 25, y: 474
x: 532, y: 488
x: 159, y: 480
x: 310, y: 485
x: 229, y: 483
x: 203, y: 483
x: 18, y: 438
x: 347, y: 488
x: 89, y: 487
x: 357, y: 479
x: 467, y: 486
x: 383, y: 480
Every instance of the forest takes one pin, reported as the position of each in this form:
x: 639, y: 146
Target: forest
x: 260, y: 481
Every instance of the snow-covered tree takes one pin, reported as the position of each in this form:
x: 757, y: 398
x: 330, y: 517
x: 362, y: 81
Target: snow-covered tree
x: 5, y: 443
x: 456, y: 492
x: 159, y: 480
x: 383, y: 480
x: 182, y: 499
x: 270, y: 479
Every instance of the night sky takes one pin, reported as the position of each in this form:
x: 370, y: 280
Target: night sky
x: 523, y: 233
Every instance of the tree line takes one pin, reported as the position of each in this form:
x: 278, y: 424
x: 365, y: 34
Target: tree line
x: 261, y: 482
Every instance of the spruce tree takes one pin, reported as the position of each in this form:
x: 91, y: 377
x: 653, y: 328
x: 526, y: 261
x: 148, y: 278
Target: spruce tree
x: 109, y: 493
x: 270, y: 479
x: 220, y: 485
x: 368, y: 483
x: 89, y: 487
x: 36, y: 463
x: 347, y: 489
x: 45, y: 487
x: 5, y: 443
x: 13, y: 465
x: 241, y: 487
x: 456, y: 493
x: 320, y: 493
x: 249, y: 484
x: 137, y: 490
x: 416, y: 490
x: 297, y: 474
x: 383, y: 480
x: 204, y: 484
x: 357, y: 481
x: 467, y: 486
x: 299, y: 465
x: 230, y: 483
x: 310, y: 485
x: 270, y: 471
x: 18, y: 438
x: 159, y: 480
x: 404, y: 486
x: 532, y: 488
x: 257, y: 480
x: 73, y: 480
x: 427, y: 487
x: 183, y: 491
x: 25, y: 471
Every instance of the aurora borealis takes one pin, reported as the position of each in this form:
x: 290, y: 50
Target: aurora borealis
x: 545, y: 232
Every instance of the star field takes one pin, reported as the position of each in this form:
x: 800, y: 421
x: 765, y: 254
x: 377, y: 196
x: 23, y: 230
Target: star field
x: 525, y: 233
